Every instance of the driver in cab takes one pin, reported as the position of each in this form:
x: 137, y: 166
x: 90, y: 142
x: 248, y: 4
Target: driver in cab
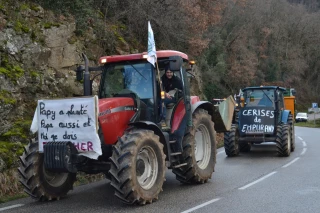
x: 169, y: 82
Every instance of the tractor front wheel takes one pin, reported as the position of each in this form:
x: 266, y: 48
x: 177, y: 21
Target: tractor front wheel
x: 283, y: 140
x: 38, y: 182
x: 231, y: 143
x: 199, y: 150
x: 293, y: 141
x: 138, y: 167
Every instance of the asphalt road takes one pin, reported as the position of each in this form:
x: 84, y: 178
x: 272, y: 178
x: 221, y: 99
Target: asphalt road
x: 257, y: 181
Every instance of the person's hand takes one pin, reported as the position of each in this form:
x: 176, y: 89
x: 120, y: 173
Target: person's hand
x: 168, y: 96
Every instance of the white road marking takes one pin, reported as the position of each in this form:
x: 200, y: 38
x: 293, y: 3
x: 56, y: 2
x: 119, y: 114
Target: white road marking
x: 257, y: 181
x: 288, y: 164
x: 200, y: 206
x: 10, y: 207
x: 220, y: 152
x: 300, y: 138
x: 304, y: 143
x: 303, y: 151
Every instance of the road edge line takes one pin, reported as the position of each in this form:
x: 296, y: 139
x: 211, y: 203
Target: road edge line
x: 201, y: 205
x: 257, y: 181
x: 11, y: 207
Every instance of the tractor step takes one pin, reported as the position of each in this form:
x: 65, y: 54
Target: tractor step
x: 175, y: 153
x: 180, y: 165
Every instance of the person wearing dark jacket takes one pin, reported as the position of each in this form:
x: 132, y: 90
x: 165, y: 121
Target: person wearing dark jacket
x: 169, y: 82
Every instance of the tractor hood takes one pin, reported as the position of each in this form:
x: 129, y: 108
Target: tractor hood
x: 114, y: 116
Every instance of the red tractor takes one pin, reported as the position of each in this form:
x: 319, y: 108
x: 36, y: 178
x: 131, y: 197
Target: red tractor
x: 136, y: 149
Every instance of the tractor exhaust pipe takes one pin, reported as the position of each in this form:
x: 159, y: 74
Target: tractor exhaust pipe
x: 86, y: 80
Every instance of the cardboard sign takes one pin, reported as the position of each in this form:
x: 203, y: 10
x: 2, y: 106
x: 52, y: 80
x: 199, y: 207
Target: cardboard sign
x: 73, y: 119
x: 256, y: 120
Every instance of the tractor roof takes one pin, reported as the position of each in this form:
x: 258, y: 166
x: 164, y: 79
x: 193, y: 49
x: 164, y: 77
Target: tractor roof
x: 265, y: 87
x: 139, y: 56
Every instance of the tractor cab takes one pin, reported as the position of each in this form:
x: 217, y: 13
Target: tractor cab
x: 133, y: 76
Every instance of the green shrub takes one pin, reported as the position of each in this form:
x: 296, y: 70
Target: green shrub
x: 20, y: 129
x: 11, y: 71
x: 10, y: 152
x: 5, y: 97
x: 19, y: 27
x: 48, y: 25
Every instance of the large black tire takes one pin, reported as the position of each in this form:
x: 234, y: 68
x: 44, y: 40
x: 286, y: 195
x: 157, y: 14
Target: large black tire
x: 138, y: 167
x: 283, y: 140
x: 231, y: 143
x: 39, y: 183
x: 293, y: 141
x: 199, y: 150
x: 244, y: 147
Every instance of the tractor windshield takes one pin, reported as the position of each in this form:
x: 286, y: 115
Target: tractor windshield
x: 137, y: 77
x: 259, y: 97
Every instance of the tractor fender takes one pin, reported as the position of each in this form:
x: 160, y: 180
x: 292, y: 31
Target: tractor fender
x: 221, y: 115
x: 203, y: 105
x: 212, y: 110
x: 284, y: 116
x: 163, y: 136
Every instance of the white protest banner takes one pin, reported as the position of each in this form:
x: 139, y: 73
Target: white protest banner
x: 152, y: 54
x: 73, y: 119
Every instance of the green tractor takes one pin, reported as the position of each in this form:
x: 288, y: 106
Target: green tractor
x: 259, y: 117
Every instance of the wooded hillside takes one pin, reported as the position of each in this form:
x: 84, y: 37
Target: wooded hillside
x: 236, y: 42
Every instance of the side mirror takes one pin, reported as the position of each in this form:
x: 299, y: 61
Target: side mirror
x: 175, y: 63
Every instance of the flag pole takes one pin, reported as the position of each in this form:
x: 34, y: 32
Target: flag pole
x: 160, y: 82
x: 152, y: 58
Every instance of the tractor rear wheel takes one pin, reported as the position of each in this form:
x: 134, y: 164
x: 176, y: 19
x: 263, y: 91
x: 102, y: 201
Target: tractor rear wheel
x: 293, y: 141
x: 138, y: 167
x: 199, y: 150
x: 283, y: 140
x: 231, y: 144
x: 38, y: 182
x: 244, y: 147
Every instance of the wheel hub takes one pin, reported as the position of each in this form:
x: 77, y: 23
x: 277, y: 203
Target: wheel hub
x: 202, y: 146
x: 140, y: 167
x: 146, y: 167
x: 54, y: 179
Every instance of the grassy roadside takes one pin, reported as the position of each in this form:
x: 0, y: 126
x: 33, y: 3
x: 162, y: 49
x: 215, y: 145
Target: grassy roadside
x: 12, y: 197
x: 311, y: 124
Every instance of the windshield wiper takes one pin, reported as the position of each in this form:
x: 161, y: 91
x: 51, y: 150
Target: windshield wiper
x: 136, y: 70
x: 267, y: 96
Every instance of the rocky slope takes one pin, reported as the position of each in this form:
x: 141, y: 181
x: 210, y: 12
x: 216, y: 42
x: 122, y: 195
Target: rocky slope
x: 38, y: 53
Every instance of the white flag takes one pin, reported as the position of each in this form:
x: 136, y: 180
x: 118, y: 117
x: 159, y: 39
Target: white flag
x: 152, y: 55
